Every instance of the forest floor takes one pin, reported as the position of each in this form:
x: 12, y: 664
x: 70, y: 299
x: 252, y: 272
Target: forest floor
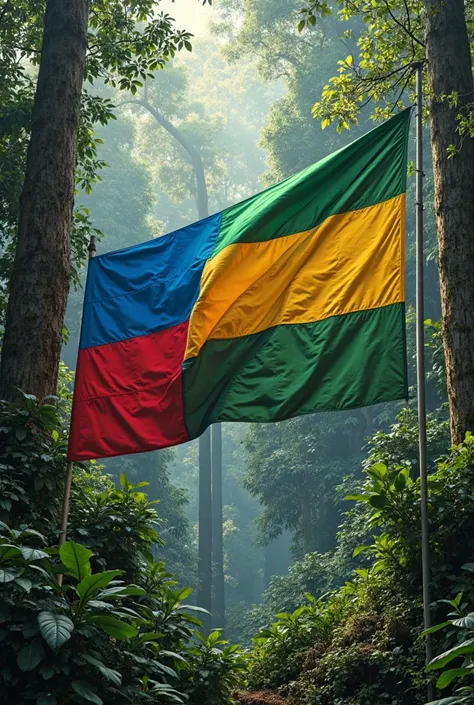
x: 260, y: 698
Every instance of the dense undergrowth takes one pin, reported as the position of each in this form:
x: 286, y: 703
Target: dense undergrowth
x: 119, y: 629
x: 348, y: 627
x: 362, y: 643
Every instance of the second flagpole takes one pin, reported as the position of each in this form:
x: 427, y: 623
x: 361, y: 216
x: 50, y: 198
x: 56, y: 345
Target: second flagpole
x: 68, y: 479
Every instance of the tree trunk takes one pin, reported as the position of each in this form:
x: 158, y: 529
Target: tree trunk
x: 450, y: 71
x: 202, y: 196
x: 40, y: 277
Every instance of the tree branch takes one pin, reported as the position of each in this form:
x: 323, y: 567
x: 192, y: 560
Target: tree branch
x: 195, y: 157
x: 407, y: 30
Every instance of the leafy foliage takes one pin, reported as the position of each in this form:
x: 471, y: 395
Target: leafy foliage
x: 460, y: 629
x: 361, y: 642
x: 98, y: 637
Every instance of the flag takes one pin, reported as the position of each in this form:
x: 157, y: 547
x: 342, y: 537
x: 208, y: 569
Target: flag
x: 288, y: 303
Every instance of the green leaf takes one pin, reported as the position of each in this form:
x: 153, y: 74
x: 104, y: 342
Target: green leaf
x: 377, y: 471
x: 111, y: 675
x: 123, y: 478
x: 378, y: 501
x: 122, y: 591
x: 32, y: 554
x: 30, y: 655
x: 55, y: 629
x: 466, y: 622
x: 447, y: 677
x: 400, y: 482
x: 8, y: 551
x: 76, y: 559
x: 7, y: 575
x: 467, y: 647
x: 358, y: 497
x: 84, y: 690
x: 24, y: 583
x: 436, y: 628
x: 183, y: 593
x: 359, y: 549
x: 113, y: 626
x: 90, y: 586
x: 46, y: 671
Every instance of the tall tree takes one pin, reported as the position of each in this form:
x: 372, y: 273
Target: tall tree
x: 40, y: 277
x: 125, y: 43
x: 449, y: 64
x: 397, y: 34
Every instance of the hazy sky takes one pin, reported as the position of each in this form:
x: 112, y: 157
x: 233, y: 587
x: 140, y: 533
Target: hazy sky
x: 189, y: 14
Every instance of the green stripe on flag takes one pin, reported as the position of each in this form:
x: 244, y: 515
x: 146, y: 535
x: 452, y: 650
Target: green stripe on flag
x: 342, y: 362
x: 368, y: 171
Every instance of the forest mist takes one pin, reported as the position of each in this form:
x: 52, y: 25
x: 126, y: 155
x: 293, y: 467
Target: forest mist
x: 245, y: 105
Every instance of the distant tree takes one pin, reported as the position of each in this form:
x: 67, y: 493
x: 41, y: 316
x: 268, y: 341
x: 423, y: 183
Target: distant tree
x: 80, y: 39
x: 294, y: 468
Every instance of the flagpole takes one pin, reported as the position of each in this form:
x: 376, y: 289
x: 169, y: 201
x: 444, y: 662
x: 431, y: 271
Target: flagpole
x: 420, y: 366
x: 218, y: 610
x: 68, y: 479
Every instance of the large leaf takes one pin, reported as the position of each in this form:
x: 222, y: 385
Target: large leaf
x: 359, y: 549
x: 55, y: 629
x: 24, y: 583
x: 436, y: 628
x: 113, y: 626
x: 118, y: 591
x: 32, y: 554
x: 76, y: 559
x: 111, y: 675
x: 8, y: 551
x: 90, y: 586
x: 378, y: 501
x: 466, y: 622
x: 30, y: 655
x: 400, y: 482
x: 467, y: 647
x: 7, y: 575
x: 447, y: 677
x: 84, y: 690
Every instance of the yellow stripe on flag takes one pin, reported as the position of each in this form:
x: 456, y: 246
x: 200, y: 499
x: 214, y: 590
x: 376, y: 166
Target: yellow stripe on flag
x: 351, y: 262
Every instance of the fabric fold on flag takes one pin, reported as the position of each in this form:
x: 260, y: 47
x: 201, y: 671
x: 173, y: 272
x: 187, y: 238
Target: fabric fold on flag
x: 288, y: 303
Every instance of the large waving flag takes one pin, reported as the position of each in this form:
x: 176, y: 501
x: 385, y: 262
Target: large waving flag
x: 289, y: 303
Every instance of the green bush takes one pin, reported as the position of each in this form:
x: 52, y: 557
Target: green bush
x: 361, y: 644
x: 118, y: 630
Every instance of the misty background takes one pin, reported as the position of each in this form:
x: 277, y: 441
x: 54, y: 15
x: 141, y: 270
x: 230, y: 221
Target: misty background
x: 242, y: 100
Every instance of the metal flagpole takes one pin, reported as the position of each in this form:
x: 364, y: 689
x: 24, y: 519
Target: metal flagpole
x: 420, y: 365
x: 68, y: 479
x: 218, y: 610
x: 204, y: 592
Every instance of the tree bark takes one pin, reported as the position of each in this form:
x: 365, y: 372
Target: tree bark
x: 449, y: 71
x: 40, y: 277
